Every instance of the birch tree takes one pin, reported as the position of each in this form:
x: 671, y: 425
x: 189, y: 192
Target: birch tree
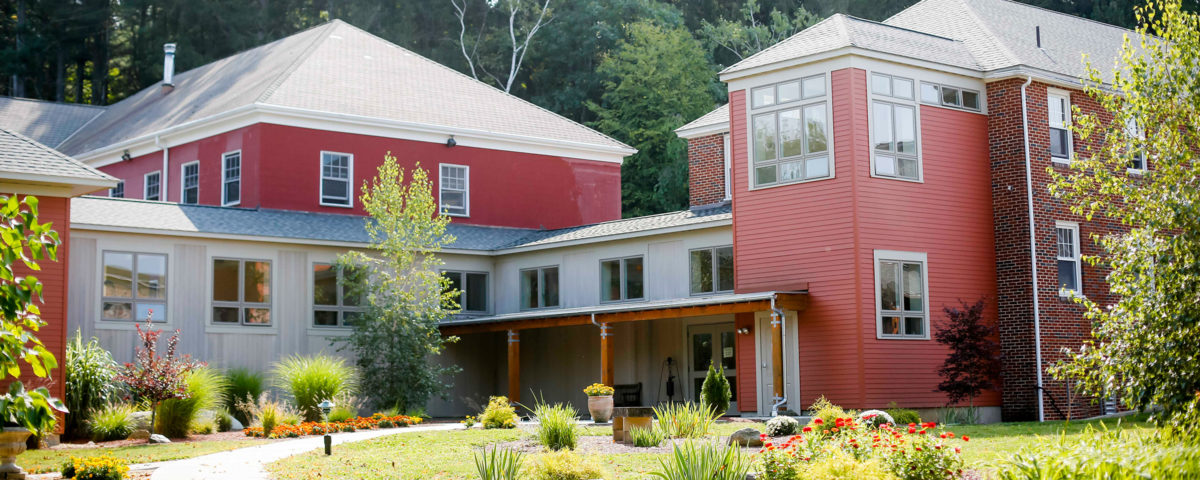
x: 497, y: 53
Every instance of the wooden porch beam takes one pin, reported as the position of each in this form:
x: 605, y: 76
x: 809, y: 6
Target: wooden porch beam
x: 514, y: 366
x: 606, y: 354
x: 777, y: 355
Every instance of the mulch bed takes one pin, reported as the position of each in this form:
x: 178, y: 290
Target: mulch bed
x: 85, y: 444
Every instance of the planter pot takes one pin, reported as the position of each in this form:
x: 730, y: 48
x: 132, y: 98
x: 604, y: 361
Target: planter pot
x: 12, y: 443
x: 601, y: 408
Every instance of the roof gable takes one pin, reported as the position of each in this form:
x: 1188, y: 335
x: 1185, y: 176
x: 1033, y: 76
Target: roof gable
x: 25, y: 161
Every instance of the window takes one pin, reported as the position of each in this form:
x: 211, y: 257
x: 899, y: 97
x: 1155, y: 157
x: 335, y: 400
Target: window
x: 241, y: 292
x: 711, y: 270
x: 894, y: 128
x: 1137, y: 137
x: 336, y: 172
x: 947, y: 96
x: 900, y: 286
x: 621, y: 279
x: 190, y: 173
x: 231, y: 178
x: 335, y: 296
x: 153, y: 186
x: 454, y: 184
x: 134, y: 285
x: 117, y: 191
x: 728, y: 169
x: 472, y: 290
x: 539, y: 288
x: 791, y: 144
x: 1069, y: 279
x: 1059, y: 108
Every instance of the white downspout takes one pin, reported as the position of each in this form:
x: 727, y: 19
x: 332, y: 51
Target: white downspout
x: 163, y: 190
x: 1037, y: 316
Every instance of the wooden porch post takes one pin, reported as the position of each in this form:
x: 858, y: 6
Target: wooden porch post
x: 514, y: 366
x: 606, y: 354
x: 777, y: 355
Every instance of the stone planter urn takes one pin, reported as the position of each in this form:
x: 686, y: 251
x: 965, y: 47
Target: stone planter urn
x: 601, y: 407
x: 12, y: 443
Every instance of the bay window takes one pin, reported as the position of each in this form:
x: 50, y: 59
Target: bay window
x: 134, y: 287
x: 790, y: 129
x: 241, y: 292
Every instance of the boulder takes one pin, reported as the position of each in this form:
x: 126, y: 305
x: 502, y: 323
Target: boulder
x: 156, y: 438
x: 235, y: 425
x: 139, y: 434
x: 746, y: 437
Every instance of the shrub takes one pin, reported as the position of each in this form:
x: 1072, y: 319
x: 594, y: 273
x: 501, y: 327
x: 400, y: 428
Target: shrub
x: 647, y: 437
x: 223, y: 420
x: 113, y: 423
x: 684, y: 420
x: 1111, y: 455
x: 243, y: 384
x: 825, y: 414
x: 203, y: 428
x: 566, y: 465
x: 205, y: 390
x: 153, y: 378
x: 103, y: 467
x: 311, y: 380
x: 557, y: 427
x: 89, y: 376
x: 342, y: 413
x: 499, y: 414
x: 782, y: 426
x: 704, y: 460
x: 973, y: 364
x: 498, y: 464
x: 715, y: 391
x: 902, y: 416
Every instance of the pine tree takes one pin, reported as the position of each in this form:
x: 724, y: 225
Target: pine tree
x: 715, y: 392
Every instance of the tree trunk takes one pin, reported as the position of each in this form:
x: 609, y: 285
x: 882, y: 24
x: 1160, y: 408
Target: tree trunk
x: 18, y: 83
x: 80, y: 66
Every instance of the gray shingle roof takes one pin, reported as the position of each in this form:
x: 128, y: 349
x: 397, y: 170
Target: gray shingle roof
x: 48, y: 123
x: 335, y: 68
x: 140, y: 215
x: 719, y: 116
x: 21, y: 156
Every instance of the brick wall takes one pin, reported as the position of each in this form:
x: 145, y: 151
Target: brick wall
x: 706, y: 170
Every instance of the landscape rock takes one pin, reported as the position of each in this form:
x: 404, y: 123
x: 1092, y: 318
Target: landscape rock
x: 236, y: 426
x: 746, y: 437
x: 139, y: 434
x: 156, y: 438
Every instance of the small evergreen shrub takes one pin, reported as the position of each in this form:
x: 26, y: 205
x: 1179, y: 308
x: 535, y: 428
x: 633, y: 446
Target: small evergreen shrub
x: 715, y: 391
x: 90, y: 380
x: 684, y: 420
x: 205, y: 390
x: 557, y: 427
x: 782, y: 426
x: 498, y: 464
x: 566, y: 465
x: 903, y: 416
x: 115, y: 422
x: 312, y: 380
x: 499, y: 414
x: 647, y: 437
x: 243, y: 384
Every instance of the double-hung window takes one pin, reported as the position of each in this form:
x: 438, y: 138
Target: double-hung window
x: 1058, y: 106
x: 117, y: 191
x: 336, y: 295
x: 622, y: 279
x: 1069, y: 271
x: 711, y: 270
x: 152, y: 186
x: 454, y: 189
x: 336, y: 172
x: 539, y: 288
x: 472, y: 290
x: 190, y: 175
x: 241, y: 292
x: 790, y: 129
x: 1137, y: 142
x: 231, y: 178
x: 134, y: 287
x: 902, y: 307
x: 894, y: 127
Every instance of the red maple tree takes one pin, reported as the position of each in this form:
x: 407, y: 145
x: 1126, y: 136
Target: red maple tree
x: 155, y: 377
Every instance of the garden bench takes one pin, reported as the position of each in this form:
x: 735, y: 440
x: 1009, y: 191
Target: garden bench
x: 627, y: 418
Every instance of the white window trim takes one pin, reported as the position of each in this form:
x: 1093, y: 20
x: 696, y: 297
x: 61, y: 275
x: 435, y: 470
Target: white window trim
x: 146, y: 185
x: 183, y: 181
x: 623, y: 281
x: 1135, y: 130
x: 800, y: 104
x: 872, y: 97
x: 121, y: 185
x: 541, y: 272
x: 899, y: 256
x: 339, y: 307
x: 939, y: 86
x: 321, y: 180
x: 487, y: 304
x: 241, y: 326
x: 241, y: 168
x: 133, y: 300
x: 715, y: 270
x: 1078, y: 259
x: 1066, y: 95
x: 728, y: 167
x: 466, y: 190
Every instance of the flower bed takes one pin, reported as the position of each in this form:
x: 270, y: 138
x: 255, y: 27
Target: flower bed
x: 377, y: 420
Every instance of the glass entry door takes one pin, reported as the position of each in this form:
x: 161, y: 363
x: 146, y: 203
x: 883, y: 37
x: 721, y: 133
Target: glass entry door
x: 715, y: 344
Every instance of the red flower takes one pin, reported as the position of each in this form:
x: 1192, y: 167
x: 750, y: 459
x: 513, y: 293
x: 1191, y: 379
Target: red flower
x: 807, y: 429
x: 965, y: 439
x: 818, y: 421
x: 762, y: 436
x: 928, y: 425
x: 912, y: 429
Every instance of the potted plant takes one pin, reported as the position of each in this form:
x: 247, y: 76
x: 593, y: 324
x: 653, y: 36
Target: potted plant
x: 600, y: 401
x: 25, y: 412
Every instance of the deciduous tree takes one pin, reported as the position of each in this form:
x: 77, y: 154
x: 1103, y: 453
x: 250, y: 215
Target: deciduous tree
x: 971, y: 366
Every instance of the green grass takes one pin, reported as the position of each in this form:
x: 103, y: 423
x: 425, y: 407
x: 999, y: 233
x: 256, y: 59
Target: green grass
x: 993, y: 442
x: 39, y: 461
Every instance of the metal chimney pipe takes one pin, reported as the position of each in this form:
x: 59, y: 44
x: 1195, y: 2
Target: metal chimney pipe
x: 168, y: 67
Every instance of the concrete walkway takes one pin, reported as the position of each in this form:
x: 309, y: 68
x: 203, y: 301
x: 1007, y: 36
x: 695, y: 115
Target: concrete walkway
x: 250, y: 463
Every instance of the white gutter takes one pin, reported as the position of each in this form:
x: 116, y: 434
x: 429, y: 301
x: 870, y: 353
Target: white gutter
x: 1037, y: 316
x: 162, y: 184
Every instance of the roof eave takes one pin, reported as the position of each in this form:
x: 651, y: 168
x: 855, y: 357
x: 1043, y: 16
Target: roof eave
x: 689, y: 133
x: 849, y: 51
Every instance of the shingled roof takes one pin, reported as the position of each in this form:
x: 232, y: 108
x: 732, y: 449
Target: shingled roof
x: 48, y: 123
x: 25, y: 161
x: 339, y: 69
x: 718, y: 118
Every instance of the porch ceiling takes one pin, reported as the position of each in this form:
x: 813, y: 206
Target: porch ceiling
x: 630, y: 312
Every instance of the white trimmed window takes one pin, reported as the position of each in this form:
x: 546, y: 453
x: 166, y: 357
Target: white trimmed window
x: 901, y: 286
x: 335, y: 296
x: 231, y: 178
x: 1070, y: 276
x: 1137, y: 137
x: 952, y: 97
x: 472, y: 290
x: 117, y: 191
x: 894, y: 127
x: 454, y: 190
x: 336, y: 171
x: 790, y: 131
x: 711, y: 270
x: 539, y: 288
x: 152, y: 186
x: 134, y: 286
x: 190, y: 175
x: 1058, y: 106
x: 622, y: 279
x: 241, y: 292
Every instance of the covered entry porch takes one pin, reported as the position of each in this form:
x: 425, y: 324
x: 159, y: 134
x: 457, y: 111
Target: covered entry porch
x: 652, y: 352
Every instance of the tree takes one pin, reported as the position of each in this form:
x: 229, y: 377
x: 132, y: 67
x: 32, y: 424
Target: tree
x: 747, y: 35
x: 152, y: 377
x: 525, y: 18
x: 1143, y: 349
x: 971, y: 366
x: 715, y: 392
x: 397, y: 337
x: 657, y: 80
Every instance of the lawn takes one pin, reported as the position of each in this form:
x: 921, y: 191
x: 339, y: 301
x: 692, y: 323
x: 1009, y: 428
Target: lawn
x: 49, y: 460
x: 448, y: 454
